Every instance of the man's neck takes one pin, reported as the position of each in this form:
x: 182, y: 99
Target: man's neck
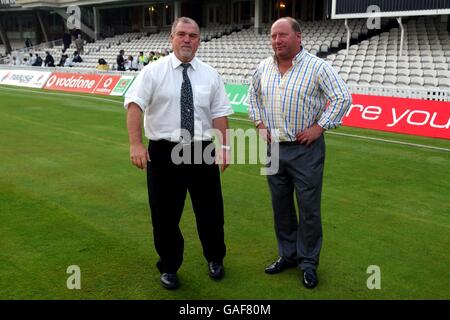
x: 285, y: 64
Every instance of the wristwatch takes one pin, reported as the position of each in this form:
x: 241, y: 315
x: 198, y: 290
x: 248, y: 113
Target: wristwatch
x: 257, y: 123
x: 225, y: 147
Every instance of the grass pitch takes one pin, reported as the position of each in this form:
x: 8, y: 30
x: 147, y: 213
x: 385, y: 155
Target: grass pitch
x: 69, y: 196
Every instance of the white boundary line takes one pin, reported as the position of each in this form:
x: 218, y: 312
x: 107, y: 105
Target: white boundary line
x: 415, y: 145
x: 424, y: 146
x: 61, y: 94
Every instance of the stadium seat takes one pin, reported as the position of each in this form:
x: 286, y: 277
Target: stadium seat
x: 430, y: 82
x: 429, y: 73
x: 366, y: 70
x: 389, y: 80
x: 441, y: 66
x: 443, y: 74
x: 353, y: 78
x: 403, y: 81
x: 403, y: 72
x: 416, y: 73
x: 377, y: 80
x: 415, y: 65
x: 391, y: 71
x: 379, y: 71
x: 344, y: 76
x: 365, y: 79
x: 444, y: 83
x: 416, y: 82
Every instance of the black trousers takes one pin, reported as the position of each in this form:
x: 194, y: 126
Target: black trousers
x: 168, y: 184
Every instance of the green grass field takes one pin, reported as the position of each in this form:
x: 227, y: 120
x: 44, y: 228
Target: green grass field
x: 69, y: 196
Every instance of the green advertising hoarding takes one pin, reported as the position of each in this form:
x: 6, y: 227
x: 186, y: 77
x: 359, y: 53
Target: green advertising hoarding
x: 238, y: 95
x: 122, y: 86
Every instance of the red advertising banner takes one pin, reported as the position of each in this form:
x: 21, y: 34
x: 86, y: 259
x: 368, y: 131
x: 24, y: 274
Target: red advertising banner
x: 73, y: 82
x: 107, y: 84
x: 410, y: 116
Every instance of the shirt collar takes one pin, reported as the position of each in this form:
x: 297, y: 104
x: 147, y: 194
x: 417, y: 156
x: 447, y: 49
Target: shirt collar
x: 176, y: 62
x: 298, y: 57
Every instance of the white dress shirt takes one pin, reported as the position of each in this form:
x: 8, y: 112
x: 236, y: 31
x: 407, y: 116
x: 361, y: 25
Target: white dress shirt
x: 156, y: 90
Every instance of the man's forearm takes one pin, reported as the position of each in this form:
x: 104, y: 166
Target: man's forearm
x: 221, y: 124
x: 134, y: 123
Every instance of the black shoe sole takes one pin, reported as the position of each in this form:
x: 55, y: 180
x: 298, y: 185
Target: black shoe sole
x: 307, y: 286
x: 215, y: 277
x: 279, y: 270
x: 169, y: 286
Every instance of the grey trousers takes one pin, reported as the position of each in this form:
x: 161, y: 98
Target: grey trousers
x: 300, y: 170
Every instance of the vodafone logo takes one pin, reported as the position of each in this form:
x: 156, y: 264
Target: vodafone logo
x: 73, y: 82
x: 86, y: 83
x: 108, y: 83
x: 51, y: 81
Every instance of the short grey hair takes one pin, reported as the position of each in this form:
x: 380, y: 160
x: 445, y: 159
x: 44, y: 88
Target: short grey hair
x: 294, y: 23
x: 183, y: 20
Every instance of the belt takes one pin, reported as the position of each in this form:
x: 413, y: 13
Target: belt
x: 171, y: 143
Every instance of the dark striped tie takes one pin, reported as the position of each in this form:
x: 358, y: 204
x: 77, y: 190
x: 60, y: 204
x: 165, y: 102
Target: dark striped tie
x: 187, y: 104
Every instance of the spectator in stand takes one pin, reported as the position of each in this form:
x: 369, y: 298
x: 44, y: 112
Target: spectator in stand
x: 79, y: 44
x: 49, y: 61
x: 28, y: 43
x: 142, y: 60
x: 102, y: 65
x: 131, y: 64
x: 67, y: 40
x: 120, y: 61
x: 38, y: 61
x: 15, y: 61
x: 150, y: 57
x: 77, y: 57
x: 68, y: 62
x: 156, y: 56
x: 62, y: 61
x: 31, y: 60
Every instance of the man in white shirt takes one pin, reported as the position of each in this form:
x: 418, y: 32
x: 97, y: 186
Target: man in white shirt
x: 15, y: 61
x: 182, y: 99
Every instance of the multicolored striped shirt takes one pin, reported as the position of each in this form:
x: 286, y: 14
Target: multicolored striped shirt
x: 290, y: 103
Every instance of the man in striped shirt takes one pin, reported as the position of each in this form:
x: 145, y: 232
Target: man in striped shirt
x: 294, y: 98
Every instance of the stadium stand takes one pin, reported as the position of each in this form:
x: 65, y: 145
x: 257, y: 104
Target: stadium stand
x: 375, y: 61
x: 423, y: 61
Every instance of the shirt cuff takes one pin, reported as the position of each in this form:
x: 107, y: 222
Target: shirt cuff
x: 138, y: 101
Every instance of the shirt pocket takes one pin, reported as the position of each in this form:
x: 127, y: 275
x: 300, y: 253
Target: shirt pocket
x: 202, y: 94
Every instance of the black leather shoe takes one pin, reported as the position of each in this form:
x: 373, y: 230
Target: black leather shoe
x: 310, y: 279
x: 280, y: 265
x: 169, y: 280
x: 215, y: 270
